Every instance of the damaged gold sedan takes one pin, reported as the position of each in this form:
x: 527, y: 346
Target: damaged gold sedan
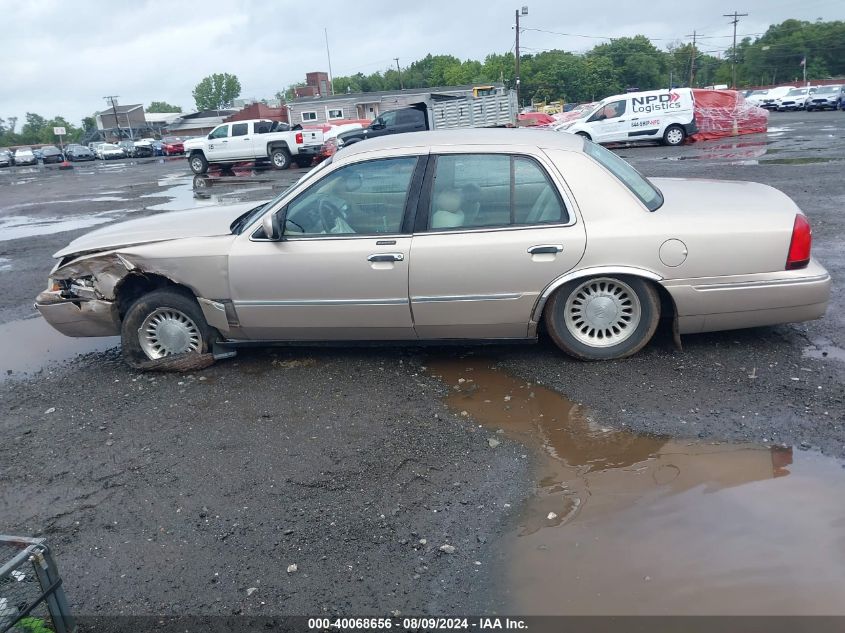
x: 466, y: 235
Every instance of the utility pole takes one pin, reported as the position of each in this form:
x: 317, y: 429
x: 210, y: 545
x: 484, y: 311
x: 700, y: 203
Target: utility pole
x: 692, y: 61
x: 523, y: 11
x: 113, y: 100
x: 329, y: 55
x: 401, y: 85
x: 736, y: 16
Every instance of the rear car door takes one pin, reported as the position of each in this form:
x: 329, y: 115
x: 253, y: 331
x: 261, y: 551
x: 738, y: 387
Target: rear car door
x: 240, y: 143
x: 491, y: 232
x: 410, y: 120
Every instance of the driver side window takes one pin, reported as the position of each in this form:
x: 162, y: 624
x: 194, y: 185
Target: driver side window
x: 221, y: 132
x: 366, y: 198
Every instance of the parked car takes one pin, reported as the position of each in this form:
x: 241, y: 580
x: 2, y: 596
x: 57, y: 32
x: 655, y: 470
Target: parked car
x: 154, y: 145
x: 826, y: 97
x: 142, y: 150
x: 51, y: 154
x: 770, y: 99
x: 6, y: 159
x: 108, y: 151
x: 25, y: 156
x: 172, y: 146
x: 37, y: 153
x: 756, y: 97
x: 128, y: 148
x: 508, y: 228
x: 795, y: 99
x: 662, y: 115
x: 79, y: 153
x: 492, y: 108
x: 253, y: 140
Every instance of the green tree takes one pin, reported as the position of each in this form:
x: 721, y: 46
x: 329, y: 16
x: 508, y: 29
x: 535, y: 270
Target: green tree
x: 217, y: 91
x: 33, y: 128
x: 163, y: 106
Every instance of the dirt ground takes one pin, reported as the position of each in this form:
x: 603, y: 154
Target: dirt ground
x: 195, y: 493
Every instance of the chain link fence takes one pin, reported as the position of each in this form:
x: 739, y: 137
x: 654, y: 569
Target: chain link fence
x: 31, y: 595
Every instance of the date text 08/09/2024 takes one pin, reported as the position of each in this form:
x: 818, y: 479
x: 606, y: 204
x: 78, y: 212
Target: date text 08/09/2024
x: 415, y: 624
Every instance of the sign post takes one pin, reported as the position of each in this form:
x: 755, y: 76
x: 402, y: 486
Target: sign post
x: 60, y: 132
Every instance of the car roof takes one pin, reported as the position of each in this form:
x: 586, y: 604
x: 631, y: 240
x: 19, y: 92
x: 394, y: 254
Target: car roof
x: 499, y: 137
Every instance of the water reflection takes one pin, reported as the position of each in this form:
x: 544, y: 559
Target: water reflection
x: 637, y: 524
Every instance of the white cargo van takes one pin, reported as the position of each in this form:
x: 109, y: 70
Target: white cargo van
x: 661, y: 115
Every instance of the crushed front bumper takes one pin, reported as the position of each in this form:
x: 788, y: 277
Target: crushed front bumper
x: 86, y: 317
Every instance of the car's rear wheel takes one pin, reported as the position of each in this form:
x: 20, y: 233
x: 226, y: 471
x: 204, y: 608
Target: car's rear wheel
x: 280, y: 158
x: 199, y: 164
x: 163, y: 323
x: 674, y: 135
x: 603, y: 318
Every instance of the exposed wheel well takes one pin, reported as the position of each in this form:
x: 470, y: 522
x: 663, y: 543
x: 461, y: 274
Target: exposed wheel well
x: 277, y: 145
x: 136, y: 285
x: 194, y: 152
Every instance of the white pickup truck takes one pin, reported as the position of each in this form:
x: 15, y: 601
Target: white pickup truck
x: 256, y: 140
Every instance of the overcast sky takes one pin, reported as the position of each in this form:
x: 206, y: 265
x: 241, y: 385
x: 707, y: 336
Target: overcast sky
x: 61, y: 58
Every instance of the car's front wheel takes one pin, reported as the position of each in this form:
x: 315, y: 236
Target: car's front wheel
x: 603, y: 318
x: 199, y: 164
x: 674, y: 135
x: 163, y: 323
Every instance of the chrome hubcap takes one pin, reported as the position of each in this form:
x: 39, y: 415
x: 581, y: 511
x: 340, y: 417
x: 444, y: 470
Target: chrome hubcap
x: 602, y: 312
x: 278, y: 160
x: 197, y: 163
x: 168, y: 331
x: 675, y: 136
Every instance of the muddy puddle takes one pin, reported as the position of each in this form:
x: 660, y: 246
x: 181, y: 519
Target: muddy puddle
x: 632, y: 524
x: 30, y: 345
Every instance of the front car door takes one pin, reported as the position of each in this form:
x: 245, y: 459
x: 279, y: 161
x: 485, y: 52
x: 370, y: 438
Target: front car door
x: 218, y: 143
x: 341, y: 271
x: 492, y: 231
x: 610, y: 123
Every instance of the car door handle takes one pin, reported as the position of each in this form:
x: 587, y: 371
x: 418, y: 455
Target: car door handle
x: 386, y: 257
x: 247, y: 138
x: 545, y: 248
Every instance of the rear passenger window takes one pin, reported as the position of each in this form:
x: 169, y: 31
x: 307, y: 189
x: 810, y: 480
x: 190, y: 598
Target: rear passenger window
x: 240, y: 129
x: 479, y: 190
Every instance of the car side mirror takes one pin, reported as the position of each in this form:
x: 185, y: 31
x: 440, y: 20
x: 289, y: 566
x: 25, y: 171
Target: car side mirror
x: 377, y: 125
x: 210, y: 137
x: 271, y: 226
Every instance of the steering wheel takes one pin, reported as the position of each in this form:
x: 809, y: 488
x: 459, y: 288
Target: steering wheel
x: 329, y: 209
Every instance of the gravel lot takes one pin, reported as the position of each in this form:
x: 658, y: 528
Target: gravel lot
x: 181, y: 493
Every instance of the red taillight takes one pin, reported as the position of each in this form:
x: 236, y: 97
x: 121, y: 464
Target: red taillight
x: 802, y: 242
x: 299, y: 138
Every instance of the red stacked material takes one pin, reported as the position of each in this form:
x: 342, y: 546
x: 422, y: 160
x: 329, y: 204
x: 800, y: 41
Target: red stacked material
x: 721, y: 113
x: 535, y: 119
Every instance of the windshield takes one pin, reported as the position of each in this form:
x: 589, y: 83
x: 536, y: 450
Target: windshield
x: 795, y: 93
x: 828, y: 89
x: 252, y: 215
x: 630, y: 177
